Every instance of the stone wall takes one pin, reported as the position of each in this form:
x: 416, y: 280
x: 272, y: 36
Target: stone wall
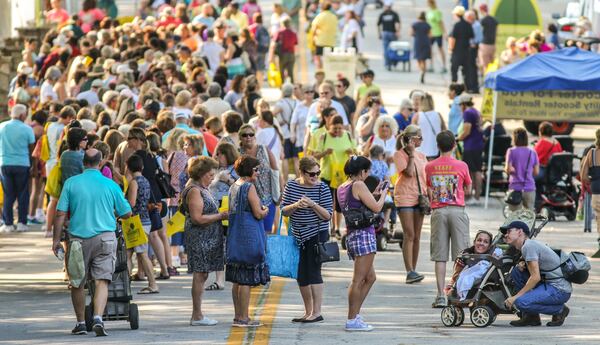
x: 10, y: 57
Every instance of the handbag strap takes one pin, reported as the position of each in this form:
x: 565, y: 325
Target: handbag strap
x: 273, y: 140
x: 418, y: 181
x: 430, y: 124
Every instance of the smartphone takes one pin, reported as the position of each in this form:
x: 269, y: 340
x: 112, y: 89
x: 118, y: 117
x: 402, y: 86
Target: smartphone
x: 385, y: 185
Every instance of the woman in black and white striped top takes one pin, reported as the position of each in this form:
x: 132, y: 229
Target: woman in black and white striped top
x: 308, y: 203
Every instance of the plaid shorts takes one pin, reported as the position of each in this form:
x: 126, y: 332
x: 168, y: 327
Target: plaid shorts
x: 361, y: 242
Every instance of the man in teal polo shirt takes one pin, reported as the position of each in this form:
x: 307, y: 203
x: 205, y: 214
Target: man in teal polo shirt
x: 16, y: 145
x: 92, y: 201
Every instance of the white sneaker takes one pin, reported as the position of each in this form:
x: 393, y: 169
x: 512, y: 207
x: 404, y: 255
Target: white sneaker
x: 358, y: 325
x: 7, y: 228
x: 22, y: 227
x: 176, y: 261
x: 204, y: 322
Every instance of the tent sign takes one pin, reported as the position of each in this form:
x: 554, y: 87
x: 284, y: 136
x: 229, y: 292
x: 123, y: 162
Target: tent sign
x: 549, y: 105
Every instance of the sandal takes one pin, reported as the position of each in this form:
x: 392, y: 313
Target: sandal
x: 214, y: 286
x: 163, y: 277
x: 136, y: 278
x: 147, y: 291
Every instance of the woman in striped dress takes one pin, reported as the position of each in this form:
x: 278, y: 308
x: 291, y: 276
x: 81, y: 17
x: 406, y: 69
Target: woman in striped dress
x: 307, y: 201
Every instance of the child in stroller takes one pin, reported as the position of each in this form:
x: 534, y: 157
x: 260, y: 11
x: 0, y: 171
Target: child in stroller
x: 486, y: 297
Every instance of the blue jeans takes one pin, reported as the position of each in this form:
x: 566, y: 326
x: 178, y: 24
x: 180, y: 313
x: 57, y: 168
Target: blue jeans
x: 270, y: 218
x: 543, y: 299
x: 387, y: 37
x: 16, y: 188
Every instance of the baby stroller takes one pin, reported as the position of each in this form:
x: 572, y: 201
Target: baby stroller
x: 118, y: 306
x: 485, y: 299
x: 558, y: 194
x: 399, y: 51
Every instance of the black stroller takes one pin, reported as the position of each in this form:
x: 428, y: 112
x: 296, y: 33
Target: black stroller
x: 118, y: 306
x: 558, y: 193
x: 485, y: 299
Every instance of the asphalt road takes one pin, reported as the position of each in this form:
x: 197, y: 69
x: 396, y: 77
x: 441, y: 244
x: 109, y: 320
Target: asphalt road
x: 35, y: 306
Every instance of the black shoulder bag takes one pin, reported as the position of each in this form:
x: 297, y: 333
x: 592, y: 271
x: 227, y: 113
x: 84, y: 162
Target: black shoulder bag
x: 359, y: 218
x: 163, y: 180
x: 424, y: 205
x: 326, y: 251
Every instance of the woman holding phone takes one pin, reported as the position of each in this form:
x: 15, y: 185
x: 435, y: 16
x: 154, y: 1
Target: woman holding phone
x: 410, y: 165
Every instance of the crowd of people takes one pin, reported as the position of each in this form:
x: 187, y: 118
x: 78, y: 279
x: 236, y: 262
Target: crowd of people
x: 165, y: 114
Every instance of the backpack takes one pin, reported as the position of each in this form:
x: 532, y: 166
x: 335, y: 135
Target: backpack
x: 574, y: 267
x: 263, y: 39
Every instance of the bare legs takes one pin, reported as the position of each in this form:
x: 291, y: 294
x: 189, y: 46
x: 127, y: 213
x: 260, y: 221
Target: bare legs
x: 159, y: 251
x: 411, y: 226
x: 440, y: 277
x: 362, y: 280
x: 198, y: 280
x: 241, y: 301
x: 312, y: 296
x: 100, y: 296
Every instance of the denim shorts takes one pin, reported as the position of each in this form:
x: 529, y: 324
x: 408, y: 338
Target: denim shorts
x: 361, y: 242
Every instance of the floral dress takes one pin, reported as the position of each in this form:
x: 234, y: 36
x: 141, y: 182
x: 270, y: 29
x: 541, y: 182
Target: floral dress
x: 263, y: 182
x: 204, y: 244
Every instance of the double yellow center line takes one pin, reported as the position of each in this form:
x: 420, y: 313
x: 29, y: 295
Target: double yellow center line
x: 263, y: 307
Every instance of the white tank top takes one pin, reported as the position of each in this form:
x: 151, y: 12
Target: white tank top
x: 431, y: 124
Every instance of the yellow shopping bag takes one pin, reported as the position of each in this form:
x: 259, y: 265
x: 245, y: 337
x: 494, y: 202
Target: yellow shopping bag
x: 53, y: 183
x: 175, y: 224
x: 274, y: 76
x: 337, y: 174
x: 1, y: 195
x: 224, y: 208
x: 133, y: 231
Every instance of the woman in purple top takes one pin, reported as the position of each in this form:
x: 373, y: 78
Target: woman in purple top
x: 361, y: 243
x: 522, y: 165
x: 473, y: 144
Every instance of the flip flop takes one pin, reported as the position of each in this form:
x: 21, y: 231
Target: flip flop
x: 214, y: 287
x: 163, y: 277
x: 136, y: 278
x: 147, y: 291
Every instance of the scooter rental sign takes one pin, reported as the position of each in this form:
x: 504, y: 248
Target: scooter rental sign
x: 549, y: 105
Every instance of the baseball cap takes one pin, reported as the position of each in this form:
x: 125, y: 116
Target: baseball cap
x: 515, y: 224
x: 97, y: 83
x: 465, y: 98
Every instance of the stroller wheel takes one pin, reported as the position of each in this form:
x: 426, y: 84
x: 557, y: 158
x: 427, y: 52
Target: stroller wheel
x: 460, y: 316
x: 381, y: 242
x: 134, y: 316
x: 448, y: 316
x: 482, y: 316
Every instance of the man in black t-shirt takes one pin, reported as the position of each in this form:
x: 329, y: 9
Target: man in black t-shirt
x: 459, y: 42
x: 487, y: 47
x: 388, y: 28
x: 341, y: 86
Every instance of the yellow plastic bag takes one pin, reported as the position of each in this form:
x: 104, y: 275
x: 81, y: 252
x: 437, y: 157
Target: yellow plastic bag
x: 175, y: 224
x: 274, y: 76
x: 53, y: 183
x: 1, y: 196
x: 133, y: 231
x: 224, y: 208
x: 337, y: 174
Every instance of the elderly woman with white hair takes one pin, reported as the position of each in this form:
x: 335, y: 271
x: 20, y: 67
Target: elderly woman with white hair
x: 47, y: 92
x: 385, y: 131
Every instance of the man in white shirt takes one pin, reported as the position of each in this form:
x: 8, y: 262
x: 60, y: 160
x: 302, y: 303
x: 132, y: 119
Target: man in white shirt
x: 215, y: 105
x: 91, y: 95
x: 213, y: 52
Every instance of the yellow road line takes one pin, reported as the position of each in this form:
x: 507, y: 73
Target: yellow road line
x: 269, y: 310
x: 263, y: 307
x: 237, y: 335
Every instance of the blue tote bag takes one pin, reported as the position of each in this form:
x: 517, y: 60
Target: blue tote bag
x: 246, y: 243
x: 283, y: 254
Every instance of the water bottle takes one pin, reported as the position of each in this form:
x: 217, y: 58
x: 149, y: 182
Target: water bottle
x: 60, y: 254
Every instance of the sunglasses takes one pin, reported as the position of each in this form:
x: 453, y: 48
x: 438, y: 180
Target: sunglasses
x: 255, y: 169
x: 308, y: 92
x: 313, y: 174
x: 411, y: 109
x: 247, y: 135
